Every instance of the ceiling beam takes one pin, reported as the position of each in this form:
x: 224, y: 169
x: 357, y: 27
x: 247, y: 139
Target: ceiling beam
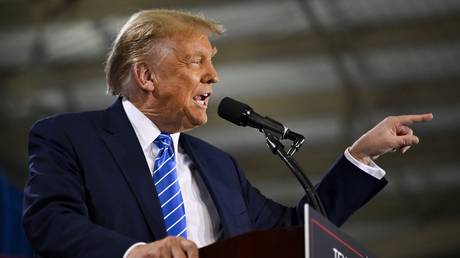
x: 22, y: 13
x: 354, y: 40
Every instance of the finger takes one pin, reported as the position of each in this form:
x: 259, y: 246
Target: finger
x: 178, y: 252
x: 404, y: 149
x: 407, y: 140
x: 176, y: 249
x: 403, y: 130
x: 190, y: 248
x: 410, y: 119
x: 159, y: 251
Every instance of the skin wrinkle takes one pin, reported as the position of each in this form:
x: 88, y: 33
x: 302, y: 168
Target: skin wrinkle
x: 140, y: 32
x: 164, y: 90
x: 179, y: 79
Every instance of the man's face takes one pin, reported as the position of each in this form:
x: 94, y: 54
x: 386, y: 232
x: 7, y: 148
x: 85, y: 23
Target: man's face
x: 185, y: 79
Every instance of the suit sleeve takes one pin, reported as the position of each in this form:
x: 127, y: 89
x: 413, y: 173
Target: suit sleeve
x: 343, y: 190
x: 55, y: 216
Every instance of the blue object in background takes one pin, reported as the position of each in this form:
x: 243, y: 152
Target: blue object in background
x: 13, y: 242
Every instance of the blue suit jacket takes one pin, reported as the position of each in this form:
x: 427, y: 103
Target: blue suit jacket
x: 90, y: 193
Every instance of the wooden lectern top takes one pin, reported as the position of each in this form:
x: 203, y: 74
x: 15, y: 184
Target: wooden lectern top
x: 283, y: 242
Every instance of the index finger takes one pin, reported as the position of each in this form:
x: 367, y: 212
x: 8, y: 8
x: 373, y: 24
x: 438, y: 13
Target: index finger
x: 190, y: 248
x: 410, y: 119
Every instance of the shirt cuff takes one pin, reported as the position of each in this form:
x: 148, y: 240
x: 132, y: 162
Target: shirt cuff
x: 372, y: 169
x: 131, y: 248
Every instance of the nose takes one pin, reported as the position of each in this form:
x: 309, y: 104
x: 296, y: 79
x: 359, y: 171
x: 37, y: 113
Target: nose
x: 211, y: 75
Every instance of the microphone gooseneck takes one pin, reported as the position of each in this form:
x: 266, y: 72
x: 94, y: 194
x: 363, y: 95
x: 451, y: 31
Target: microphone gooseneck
x: 243, y: 115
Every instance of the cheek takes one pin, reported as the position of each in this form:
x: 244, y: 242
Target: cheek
x: 188, y: 84
x: 181, y: 86
x: 189, y: 78
x: 195, y: 77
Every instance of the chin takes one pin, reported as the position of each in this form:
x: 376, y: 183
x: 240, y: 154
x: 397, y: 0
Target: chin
x: 194, y: 123
x: 201, y: 121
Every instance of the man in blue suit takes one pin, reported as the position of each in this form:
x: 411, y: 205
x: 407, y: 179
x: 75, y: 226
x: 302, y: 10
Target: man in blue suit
x: 97, y: 179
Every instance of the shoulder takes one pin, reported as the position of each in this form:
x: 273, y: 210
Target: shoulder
x: 66, y: 121
x: 64, y: 134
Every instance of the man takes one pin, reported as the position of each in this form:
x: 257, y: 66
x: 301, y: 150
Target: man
x: 116, y: 183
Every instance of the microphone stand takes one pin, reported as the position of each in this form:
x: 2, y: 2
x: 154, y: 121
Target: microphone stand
x: 277, y: 148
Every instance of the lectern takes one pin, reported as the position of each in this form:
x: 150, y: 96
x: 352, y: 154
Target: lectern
x: 319, y: 238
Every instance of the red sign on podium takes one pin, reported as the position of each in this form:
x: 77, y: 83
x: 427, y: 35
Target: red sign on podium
x: 324, y: 239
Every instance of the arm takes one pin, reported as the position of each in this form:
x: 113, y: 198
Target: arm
x: 344, y: 188
x: 390, y: 135
x: 56, y: 219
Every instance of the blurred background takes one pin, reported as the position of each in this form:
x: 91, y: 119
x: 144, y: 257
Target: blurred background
x: 328, y: 69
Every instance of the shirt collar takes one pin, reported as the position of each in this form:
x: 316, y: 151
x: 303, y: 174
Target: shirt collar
x: 146, y: 131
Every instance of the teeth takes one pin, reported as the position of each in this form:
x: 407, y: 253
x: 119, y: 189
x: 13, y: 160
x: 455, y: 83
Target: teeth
x: 201, y: 99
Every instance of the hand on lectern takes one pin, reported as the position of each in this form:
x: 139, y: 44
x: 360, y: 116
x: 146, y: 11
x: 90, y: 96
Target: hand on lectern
x: 391, y: 134
x: 168, y: 247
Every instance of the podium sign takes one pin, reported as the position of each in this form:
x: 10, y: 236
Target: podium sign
x: 319, y: 238
x: 324, y: 239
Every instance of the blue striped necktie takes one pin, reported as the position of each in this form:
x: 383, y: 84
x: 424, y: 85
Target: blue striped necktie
x: 167, y: 187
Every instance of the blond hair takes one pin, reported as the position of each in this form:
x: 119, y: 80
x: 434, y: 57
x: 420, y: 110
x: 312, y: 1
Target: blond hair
x: 139, y: 36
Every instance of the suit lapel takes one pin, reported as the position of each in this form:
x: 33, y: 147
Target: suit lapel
x: 208, y: 174
x: 122, y: 142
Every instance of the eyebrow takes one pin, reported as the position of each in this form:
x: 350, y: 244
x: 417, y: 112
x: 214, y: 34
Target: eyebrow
x: 201, y: 53
x: 214, y: 51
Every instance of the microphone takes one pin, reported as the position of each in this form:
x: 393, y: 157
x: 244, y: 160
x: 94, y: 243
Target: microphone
x: 243, y: 115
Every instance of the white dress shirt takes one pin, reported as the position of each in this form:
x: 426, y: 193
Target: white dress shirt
x: 203, y: 222
x: 373, y: 170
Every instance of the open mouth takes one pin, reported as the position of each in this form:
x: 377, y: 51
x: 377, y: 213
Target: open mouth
x: 202, y: 99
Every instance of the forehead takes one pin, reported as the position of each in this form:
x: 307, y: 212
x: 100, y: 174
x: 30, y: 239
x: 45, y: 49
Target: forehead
x: 193, y: 44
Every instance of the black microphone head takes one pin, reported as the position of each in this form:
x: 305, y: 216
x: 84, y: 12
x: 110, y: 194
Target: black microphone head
x: 233, y: 111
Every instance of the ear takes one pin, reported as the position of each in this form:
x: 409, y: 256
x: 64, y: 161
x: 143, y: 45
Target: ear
x: 144, y: 76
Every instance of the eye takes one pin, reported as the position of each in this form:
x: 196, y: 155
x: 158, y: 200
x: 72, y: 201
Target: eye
x: 197, y: 60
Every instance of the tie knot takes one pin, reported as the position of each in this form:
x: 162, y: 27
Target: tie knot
x: 163, y: 140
